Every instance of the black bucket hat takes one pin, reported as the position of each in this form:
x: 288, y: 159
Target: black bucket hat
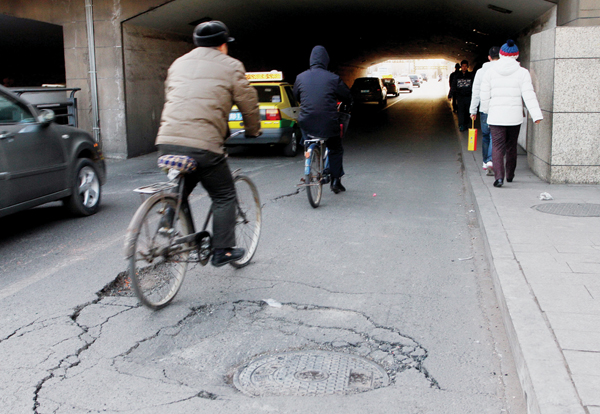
x: 211, y: 34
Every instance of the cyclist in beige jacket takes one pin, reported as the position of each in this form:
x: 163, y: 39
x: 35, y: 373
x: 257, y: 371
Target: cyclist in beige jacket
x: 201, y: 88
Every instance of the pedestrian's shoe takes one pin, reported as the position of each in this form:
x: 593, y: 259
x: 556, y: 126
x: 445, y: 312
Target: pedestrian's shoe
x: 223, y: 256
x: 490, y: 168
x: 498, y: 182
x: 484, y: 166
x: 510, y: 179
x: 336, y: 185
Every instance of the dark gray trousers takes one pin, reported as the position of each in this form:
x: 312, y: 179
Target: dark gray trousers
x: 214, y: 175
x: 504, y: 143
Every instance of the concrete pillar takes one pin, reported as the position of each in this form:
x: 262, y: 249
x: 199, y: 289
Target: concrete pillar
x: 565, y: 65
x: 148, y: 54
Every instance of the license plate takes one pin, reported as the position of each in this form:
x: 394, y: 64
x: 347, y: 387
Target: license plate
x: 365, y: 91
x: 235, y: 116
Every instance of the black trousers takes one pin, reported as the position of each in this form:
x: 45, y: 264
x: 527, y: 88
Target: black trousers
x: 214, y: 175
x: 464, y: 117
x: 336, y: 156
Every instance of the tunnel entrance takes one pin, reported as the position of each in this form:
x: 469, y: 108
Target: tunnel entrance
x: 32, y: 51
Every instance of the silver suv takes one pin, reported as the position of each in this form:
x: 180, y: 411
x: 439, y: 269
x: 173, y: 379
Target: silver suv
x: 41, y: 161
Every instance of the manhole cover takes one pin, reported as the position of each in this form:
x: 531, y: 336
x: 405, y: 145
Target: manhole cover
x: 309, y: 373
x: 570, y: 209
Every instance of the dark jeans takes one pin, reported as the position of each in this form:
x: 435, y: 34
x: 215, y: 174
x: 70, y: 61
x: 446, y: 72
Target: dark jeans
x: 336, y: 155
x: 504, y: 142
x: 215, y: 176
x: 464, y: 117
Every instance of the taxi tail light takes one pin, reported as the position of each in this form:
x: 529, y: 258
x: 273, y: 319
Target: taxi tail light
x: 273, y: 115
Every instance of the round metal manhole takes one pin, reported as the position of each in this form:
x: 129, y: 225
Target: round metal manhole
x: 309, y: 373
x: 570, y: 209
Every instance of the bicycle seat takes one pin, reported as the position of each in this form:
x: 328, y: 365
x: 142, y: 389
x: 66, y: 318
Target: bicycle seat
x: 181, y: 163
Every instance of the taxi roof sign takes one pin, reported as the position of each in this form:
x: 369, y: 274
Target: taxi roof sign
x: 274, y: 75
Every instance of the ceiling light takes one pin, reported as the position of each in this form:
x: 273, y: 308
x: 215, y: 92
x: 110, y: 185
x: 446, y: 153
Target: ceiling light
x: 499, y: 9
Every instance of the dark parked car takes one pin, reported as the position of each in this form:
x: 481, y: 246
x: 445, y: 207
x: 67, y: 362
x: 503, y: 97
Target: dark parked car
x: 390, y: 85
x: 41, y: 161
x: 369, y: 90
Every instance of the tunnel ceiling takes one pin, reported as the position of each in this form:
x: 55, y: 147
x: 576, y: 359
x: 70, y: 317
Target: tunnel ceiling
x: 274, y: 34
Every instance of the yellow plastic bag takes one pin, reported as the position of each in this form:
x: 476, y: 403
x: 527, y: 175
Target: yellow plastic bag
x: 473, y: 138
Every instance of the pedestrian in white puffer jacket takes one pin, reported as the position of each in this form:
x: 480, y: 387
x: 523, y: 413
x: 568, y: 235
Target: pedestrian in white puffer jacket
x: 486, y: 138
x: 504, y: 88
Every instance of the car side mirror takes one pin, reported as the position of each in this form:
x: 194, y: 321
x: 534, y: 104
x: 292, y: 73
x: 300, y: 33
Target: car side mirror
x: 46, y: 116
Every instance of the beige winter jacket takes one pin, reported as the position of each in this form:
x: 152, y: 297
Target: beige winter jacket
x: 200, y: 89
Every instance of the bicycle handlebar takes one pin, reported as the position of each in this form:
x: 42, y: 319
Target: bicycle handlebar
x: 242, y: 131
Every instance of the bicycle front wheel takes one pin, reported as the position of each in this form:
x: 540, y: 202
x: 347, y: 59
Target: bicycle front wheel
x: 314, y: 186
x: 248, y: 218
x: 156, y: 266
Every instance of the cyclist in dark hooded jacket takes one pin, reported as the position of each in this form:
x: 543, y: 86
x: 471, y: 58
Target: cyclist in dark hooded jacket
x: 319, y: 92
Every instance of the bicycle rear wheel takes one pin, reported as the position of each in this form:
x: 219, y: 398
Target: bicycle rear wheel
x: 314, y: 186
x: 157, y: 268
x: 248, y: 218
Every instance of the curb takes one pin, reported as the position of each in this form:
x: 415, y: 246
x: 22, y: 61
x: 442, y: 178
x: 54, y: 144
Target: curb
x: 542, y: 369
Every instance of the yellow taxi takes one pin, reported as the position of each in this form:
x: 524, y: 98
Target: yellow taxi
x: 278, y: 114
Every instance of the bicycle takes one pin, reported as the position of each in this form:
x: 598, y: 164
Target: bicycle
x: 161, y: 238
x: 316, y: 169
x: 316, y: 160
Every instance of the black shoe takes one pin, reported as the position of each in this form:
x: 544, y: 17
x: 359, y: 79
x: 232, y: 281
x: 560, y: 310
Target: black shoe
x: 336, y: 185
x: 223, y: 256
x: 510, y: 179
x: 498, y: 182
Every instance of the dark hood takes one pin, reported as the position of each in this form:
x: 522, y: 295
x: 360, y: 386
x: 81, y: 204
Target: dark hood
x: 319, y: 57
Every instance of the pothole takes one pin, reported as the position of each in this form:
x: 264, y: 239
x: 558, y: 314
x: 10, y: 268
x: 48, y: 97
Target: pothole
x: 121, y: 286
x: 309, y: 373
x: 570, y: 209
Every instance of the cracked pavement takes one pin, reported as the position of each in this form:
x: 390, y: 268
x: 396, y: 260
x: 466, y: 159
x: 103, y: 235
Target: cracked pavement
x: 375, y: 276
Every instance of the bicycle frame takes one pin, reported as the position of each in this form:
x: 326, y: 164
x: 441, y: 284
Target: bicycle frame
x: 177, y: 180
x: 310, y: 145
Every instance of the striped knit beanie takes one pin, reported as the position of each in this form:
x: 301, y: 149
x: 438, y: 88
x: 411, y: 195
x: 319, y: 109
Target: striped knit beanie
x: 509, y: 49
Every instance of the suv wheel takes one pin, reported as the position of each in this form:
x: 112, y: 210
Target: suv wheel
x: 85, y: 197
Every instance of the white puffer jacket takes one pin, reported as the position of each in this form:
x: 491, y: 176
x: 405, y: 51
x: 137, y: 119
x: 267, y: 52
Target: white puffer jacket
x: 503, y: 89
x: 476, y: 95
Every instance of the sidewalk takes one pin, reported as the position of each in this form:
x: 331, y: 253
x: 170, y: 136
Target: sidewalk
x: 546, y: 270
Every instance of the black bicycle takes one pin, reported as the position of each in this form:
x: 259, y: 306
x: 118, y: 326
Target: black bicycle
x: 161, y: 239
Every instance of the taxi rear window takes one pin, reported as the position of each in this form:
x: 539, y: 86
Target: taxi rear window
x: 268, y: 93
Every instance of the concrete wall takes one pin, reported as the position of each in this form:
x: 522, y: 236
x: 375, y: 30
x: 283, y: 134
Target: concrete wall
x: 108, y: 15
x: 147, y: 57
x: 579, y: 13
x: 565, y: 147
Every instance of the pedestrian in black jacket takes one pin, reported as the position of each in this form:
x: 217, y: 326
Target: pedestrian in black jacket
x: 462, y: 85
x: 319, y: 92
x: 450, y: 80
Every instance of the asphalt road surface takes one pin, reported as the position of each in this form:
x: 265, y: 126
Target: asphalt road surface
x: 378, y: 301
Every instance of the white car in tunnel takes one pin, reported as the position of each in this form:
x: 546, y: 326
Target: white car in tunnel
x: 405, y: 84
